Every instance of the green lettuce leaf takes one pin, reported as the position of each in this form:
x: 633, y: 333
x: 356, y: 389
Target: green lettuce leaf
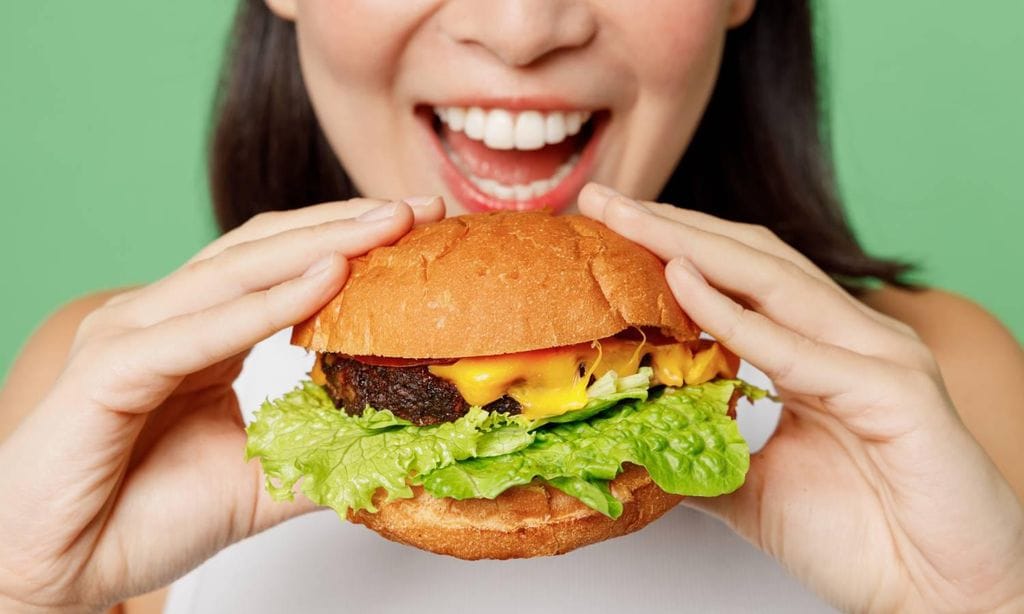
x: 342, y: 460
x: 683, y: 438
x: 593, y: 493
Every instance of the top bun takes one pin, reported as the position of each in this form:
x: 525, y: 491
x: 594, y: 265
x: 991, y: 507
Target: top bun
x: 495, y: 283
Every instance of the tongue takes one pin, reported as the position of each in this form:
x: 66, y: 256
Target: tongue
x: 512, y: 166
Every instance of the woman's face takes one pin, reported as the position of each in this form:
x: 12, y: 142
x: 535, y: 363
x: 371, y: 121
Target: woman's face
x: 509, y: 104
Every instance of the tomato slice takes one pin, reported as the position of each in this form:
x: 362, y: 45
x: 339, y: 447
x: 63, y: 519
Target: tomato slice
x: 390, y: 361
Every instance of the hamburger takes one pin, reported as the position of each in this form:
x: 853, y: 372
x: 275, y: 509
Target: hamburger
x: 505, y: 385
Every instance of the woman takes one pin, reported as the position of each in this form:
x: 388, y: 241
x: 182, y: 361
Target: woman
x: 891, y: 483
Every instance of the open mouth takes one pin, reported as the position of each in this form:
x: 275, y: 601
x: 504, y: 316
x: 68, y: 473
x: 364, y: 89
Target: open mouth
x: 514, y: 159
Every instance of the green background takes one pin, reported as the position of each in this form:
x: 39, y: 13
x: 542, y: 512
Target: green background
x: 104, y: 105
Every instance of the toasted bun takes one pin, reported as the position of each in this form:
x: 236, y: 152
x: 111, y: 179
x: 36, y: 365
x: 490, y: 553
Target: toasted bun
x: 495, y: 283
x: 525, y: 521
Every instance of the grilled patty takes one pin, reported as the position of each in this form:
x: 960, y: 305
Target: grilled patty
x: 411, y: 393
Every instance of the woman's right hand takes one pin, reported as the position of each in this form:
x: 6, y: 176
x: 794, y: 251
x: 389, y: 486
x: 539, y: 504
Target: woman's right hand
x: 131, y: 471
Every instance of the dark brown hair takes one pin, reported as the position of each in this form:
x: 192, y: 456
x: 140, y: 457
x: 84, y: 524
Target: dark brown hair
x: 759, y: 154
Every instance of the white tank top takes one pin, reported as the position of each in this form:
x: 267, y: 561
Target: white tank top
x: 685, y: 561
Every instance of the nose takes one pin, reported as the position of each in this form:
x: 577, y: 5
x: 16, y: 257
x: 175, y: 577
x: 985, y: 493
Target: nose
x: 519, y: 32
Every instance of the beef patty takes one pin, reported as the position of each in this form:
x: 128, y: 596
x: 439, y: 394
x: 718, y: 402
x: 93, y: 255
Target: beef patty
x: 411, y: 393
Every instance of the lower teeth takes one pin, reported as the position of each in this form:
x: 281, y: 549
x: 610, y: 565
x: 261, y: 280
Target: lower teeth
x: 520, y: 192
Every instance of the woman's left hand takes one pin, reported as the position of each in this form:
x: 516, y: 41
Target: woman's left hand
x: 871, y: 492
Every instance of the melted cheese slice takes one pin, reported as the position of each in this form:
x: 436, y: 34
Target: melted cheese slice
x: 545, y: 382
x: 554, y: 381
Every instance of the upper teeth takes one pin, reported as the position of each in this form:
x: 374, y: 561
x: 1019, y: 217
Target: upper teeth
x: 504, y: 129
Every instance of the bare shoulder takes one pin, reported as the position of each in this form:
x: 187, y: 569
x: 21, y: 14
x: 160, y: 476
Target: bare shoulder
x: 42, y: 357
x: 981, y: 363
x: 944, y: 319
x: 972, y: 346
x: 967, y: 340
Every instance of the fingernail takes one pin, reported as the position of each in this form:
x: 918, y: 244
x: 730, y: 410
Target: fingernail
x: 603, y: 191
x: 684, y: 267
x: 420, y: 201
x: 627, y: 202
x: 319, y: 266
x: 378, y: 213
x: 611, y: 195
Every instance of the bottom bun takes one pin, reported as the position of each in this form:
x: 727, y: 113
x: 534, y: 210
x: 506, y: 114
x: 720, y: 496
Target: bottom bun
x: 522, y: 522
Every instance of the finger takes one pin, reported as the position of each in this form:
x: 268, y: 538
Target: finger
x: 224, y: 330
x: 135, y: 370
x: 595, y: 199
x: 792, y: 361
x: 262, y: 263
x: 425, y: 209
x: 772, y: 286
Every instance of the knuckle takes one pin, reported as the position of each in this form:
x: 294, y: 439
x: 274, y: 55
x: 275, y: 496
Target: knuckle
x: 766, y: 296
x: 195, y: 267
x: 92, y: 323
x: 99, y: 350
x: 759, y: 231
x: 733, y: 326
x: 662, y: 209
x: 916, y: 381
x: 907, y: 348
x: 202, y: 268
x: 121, y: 297
x: 906, y: 329
x: 922, y: 357
x: 270, y: 307
x: 898, y: 326
x: 787, y: 269
x: 116, y: 379
x: 354, y: 206
x: 628, y: 210
x: 97, y: 359
x: 214, y: 247
x: 263, y: 219
x: 800, y: 347
x: 323, y: 233
x: 187, y: 273
x: 775, y: 290
x: 103, y: 322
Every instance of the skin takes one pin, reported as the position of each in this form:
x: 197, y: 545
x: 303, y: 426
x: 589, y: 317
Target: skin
x: 599, y: 54
x: 90, y: 515
x: 870, y: 439
x: 886, y: 430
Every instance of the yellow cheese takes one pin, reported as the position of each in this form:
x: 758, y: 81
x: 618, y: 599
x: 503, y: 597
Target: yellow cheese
x: 670, y: 362
x: 620, y: 355
x: 552, y: 382
x: 544, y: 382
